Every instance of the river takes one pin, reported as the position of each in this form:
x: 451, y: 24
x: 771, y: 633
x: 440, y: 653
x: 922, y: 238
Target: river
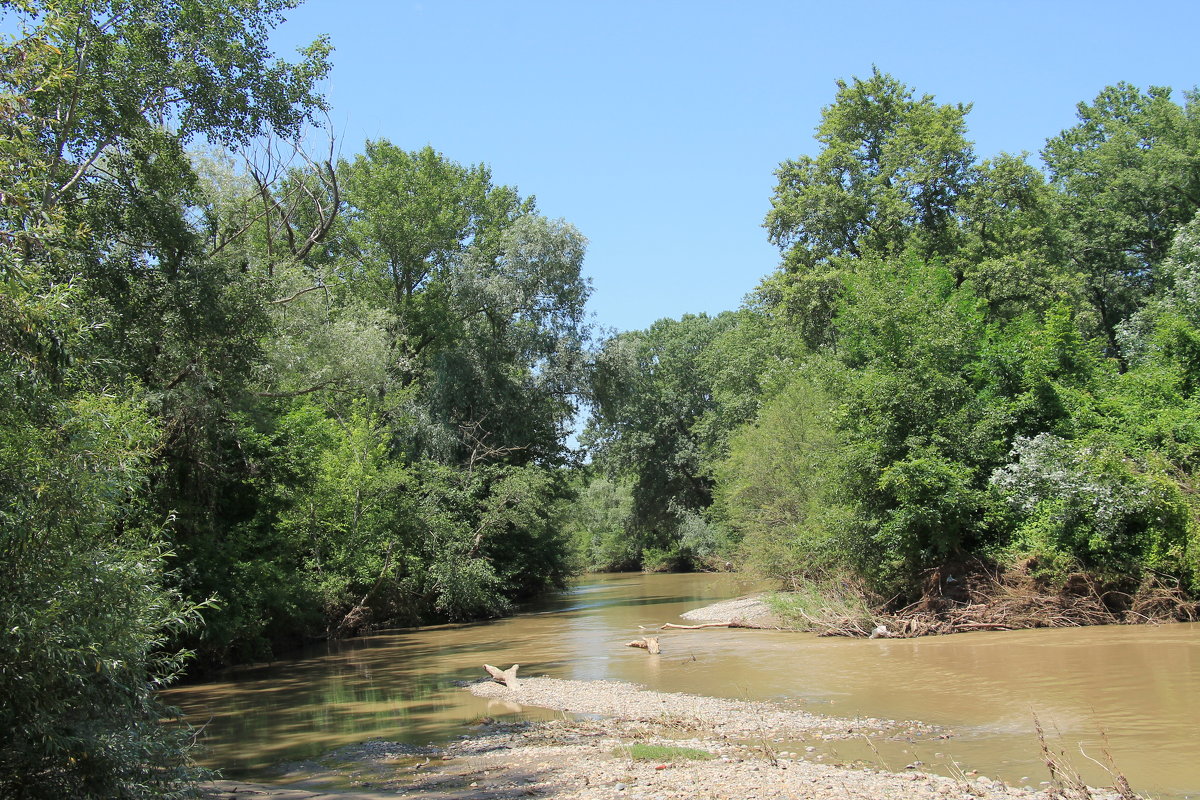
x: 1130, y: 691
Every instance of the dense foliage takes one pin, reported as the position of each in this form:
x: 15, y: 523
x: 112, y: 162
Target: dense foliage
x: 958, y: 362
x: 250, y: 399
x: 246, y: 400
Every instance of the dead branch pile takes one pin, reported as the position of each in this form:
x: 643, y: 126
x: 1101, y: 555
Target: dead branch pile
x: 1012, y: 600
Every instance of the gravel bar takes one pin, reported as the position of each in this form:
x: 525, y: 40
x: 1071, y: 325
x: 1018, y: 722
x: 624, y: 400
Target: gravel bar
x: 713, y: 715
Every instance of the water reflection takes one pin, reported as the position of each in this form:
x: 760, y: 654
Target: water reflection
x: 1138, y: 685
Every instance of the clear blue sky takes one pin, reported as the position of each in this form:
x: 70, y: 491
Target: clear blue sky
x: 655, y: 127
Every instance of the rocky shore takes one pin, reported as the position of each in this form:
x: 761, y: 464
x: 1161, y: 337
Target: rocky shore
x: 616, y: 741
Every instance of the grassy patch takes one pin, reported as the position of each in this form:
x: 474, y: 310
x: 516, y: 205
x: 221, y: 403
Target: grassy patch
x: 659, y: 752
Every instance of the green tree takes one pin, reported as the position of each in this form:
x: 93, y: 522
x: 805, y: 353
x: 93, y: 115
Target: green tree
x: 891, y: 174
x: 1129, y: 174
x: 484, y: 301
x: 650, y: 392
x: 97, y: 102
x: 85, y: 602
x: 598, y: 523
x: 1012, y: 246
x: 777, y: 490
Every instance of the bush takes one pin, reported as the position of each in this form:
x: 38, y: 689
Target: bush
x: 85, y: 608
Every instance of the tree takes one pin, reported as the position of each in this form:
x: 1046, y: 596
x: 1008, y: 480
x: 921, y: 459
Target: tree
x: 650, y: 391
x: 484, y: 301
x: 1129, y: 173
x: 85, y: 602
x: 598, y: 523
x: 778, y: 488
x: 1012, y: 247
x: 98, y: 101
x: 890, y: 175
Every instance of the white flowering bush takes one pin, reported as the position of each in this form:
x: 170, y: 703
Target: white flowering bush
x: 1085, y: 504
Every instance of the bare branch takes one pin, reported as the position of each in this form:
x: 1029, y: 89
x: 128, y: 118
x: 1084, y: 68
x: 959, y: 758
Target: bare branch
x: 329, y: 384
x: 297, y: 294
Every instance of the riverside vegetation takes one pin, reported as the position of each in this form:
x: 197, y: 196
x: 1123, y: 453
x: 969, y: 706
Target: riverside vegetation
x: 968, y: 393
x: 253, y: 395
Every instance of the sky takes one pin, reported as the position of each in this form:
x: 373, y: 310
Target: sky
x: 656, y: 127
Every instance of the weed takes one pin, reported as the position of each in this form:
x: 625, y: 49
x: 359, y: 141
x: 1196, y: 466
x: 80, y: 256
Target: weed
x: 659, y: 752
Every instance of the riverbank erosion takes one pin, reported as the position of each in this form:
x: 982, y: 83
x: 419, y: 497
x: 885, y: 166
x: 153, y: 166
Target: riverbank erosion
x: 631, y: 743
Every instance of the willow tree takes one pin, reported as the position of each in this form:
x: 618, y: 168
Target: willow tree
x: 484, y: 301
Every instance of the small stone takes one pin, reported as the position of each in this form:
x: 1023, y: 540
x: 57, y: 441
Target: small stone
x: 620, y: 787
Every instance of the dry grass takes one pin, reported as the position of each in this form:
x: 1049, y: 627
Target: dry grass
x: 1067, y: 783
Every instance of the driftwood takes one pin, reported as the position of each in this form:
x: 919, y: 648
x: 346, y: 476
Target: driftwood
x: 647, y: 643
x: 506, y: 676
x: 733, y: 624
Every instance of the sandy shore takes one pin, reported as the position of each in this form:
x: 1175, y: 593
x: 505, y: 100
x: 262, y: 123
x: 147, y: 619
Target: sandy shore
x: 594, y: 757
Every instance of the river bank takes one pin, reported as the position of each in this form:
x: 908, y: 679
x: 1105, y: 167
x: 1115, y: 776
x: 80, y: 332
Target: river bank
x: 631, y: 743
x: 978, y: 600
x: 1128, y: 690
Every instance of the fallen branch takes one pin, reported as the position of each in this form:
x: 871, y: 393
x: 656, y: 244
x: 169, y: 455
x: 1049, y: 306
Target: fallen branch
x: 506, y: 676
x: 647, y: 643
x: 697, y: 627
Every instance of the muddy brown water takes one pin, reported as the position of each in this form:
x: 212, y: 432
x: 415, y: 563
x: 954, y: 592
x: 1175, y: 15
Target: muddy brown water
x: 1130, y: 691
